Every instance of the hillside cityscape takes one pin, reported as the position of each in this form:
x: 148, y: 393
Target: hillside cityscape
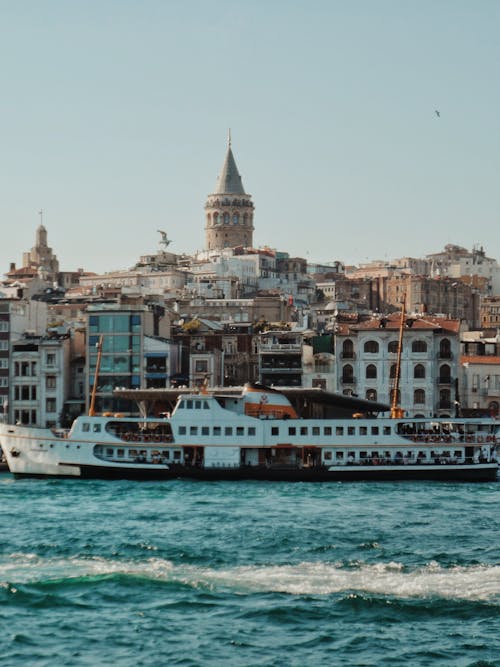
x: 233, y: 313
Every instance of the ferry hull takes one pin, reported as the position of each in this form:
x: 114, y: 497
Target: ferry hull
x: 439, y: 473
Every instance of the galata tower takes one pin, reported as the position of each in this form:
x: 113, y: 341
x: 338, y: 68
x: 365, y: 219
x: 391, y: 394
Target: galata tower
x: 229, y: 210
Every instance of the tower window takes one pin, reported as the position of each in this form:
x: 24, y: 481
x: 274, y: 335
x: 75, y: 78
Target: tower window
x: 236, y: 219
x: 226, y: 218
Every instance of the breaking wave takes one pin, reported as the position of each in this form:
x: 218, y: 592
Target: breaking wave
x: 474, y: 583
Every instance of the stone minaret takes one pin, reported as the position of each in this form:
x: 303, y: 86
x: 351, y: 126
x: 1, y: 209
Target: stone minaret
x: 229, y: 210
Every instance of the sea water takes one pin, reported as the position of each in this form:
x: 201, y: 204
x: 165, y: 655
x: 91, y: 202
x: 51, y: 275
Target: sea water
x: 248, y: 573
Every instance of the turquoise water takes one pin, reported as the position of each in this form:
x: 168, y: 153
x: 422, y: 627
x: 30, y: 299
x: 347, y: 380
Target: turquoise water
x: 249, y: 573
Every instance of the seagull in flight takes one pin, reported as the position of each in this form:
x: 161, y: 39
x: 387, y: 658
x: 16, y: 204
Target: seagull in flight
x: 438, y: 113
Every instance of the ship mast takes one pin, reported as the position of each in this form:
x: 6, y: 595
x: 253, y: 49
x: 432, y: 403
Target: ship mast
x: 96, y: 376
x: 396, y: 410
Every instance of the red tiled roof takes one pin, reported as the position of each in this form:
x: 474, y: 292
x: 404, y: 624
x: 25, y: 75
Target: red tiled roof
x: 479, y: 359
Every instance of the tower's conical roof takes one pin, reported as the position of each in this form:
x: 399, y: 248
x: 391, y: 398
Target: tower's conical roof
x: 229, y: 181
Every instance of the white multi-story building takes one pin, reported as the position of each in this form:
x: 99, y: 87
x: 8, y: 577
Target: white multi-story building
x: 39, y: 380
x: 366, y: 358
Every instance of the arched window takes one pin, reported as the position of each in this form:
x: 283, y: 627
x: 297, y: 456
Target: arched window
x: 226, y: 218
x: 445, y: 349
x: 216, y: 218
x: 444, y: 374
x: 371, y: 371
x: 236, y: 219
x: 392, y: 347
x: 392, y: 373
x: 347, y: 374
x: 371, y: 346
x: 419, y: 346
x: 245, y: 219
x: 419, y: 371
x: 419, y: 397
x: 444, y: 399
x: 347, y: 349
x: 371, y: 394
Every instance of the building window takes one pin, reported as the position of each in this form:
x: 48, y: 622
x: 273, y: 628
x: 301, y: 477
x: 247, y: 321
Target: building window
x: 419, y: 397
x: 50, y: 405
x: 392, y: 347
x: 371, y: 371
x: 419, y: 372
x: 50, y: 359
x: 371, y: 394
x: 419, y: 346
x: 50, y: 382
x: 371, y: 346
x: 201, y: 366
x: 4, y: 326
x: 4, y: 363
x: 348, y: 349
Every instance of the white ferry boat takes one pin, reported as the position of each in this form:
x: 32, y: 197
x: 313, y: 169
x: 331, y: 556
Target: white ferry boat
x: 256, y: 434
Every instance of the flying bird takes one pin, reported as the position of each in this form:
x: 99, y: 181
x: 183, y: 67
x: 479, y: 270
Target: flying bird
x: 438, y: 114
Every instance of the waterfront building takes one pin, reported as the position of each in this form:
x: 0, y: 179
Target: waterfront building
x: 480, y: 373
x: 366, y: 356
x: 16, y: 317
x: 280, y: 358
x: 126, y: 356
x: 39, y: 380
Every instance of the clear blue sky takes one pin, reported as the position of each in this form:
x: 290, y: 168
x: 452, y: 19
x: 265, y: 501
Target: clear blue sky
x: 114, y: 118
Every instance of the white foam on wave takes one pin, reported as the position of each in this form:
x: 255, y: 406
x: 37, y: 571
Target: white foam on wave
x: 477, y: 582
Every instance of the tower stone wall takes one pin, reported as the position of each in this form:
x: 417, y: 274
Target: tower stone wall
x: 229, y: 210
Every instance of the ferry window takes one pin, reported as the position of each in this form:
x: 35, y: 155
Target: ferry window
x: 193, y: 430
x: 363, y: 430
x: 177, y: 455
x: 181, y: 405
x: 303, y: 430
x: 120, y: 452
x: 387, y: 430
x: 339, y: 455
x: 86, y: 428
x: 197, y: 405
x: 351, y: 456
x: 292, y: 430
x: 132, y: 452
x: 327, y: 430
x: 166, y: 454
x: 363, y: 455
x: 216, y: 430
x: 97, y: 428
x: 240, y: 430
x: 228, y: 430
x: 328, y: 456
x: 374, y: 430
x: 205, y: 405
x: 274, y: 430
x: 205, y: 430
x: 350, y: 430
x: 421, y: 455
x: 315, y: 430
x: 182, y: 430
x: 339, y: 430
x: 189, y: 405
x: 251, y: 430
x: 109, y: 451
x: 457, y: 454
